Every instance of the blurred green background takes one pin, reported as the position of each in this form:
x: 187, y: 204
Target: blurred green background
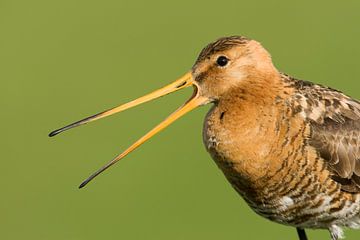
x: 63, y: 60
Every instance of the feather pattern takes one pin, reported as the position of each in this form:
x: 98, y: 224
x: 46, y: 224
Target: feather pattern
x: 335, y: 129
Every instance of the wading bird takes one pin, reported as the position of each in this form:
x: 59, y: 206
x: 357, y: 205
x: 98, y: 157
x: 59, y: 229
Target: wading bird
x: 290, y: 148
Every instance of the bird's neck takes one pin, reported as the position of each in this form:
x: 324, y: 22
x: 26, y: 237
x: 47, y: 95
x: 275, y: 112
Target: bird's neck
x: 258, y: 87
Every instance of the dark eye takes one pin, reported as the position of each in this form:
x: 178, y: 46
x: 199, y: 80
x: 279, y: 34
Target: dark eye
x: 222, y: 61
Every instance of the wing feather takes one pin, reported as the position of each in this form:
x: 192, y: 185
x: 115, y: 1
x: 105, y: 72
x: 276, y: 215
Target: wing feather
x: 335, y: 123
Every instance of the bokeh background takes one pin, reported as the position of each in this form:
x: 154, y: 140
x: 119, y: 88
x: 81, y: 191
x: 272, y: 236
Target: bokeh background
x: 63, y: 60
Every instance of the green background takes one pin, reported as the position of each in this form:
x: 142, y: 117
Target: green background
x: 63, y: 60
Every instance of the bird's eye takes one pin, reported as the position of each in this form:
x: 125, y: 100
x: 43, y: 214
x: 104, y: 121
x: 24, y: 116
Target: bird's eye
x: 222, y: 61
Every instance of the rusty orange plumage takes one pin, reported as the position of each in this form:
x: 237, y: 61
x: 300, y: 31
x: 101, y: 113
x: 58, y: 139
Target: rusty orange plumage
x: 290, y: 148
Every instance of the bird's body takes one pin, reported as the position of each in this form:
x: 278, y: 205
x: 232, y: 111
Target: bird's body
x: 290, y: 148
x: 267, y: 149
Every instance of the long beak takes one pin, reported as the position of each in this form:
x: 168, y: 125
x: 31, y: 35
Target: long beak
x: 183, y: 82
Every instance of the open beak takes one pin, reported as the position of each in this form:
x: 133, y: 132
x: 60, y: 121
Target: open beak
x: 183, y: 82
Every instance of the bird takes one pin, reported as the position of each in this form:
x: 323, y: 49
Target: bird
x: 290, y: 148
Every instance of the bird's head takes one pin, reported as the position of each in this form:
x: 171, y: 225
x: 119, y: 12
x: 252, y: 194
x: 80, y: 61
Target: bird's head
x: 221, y: 66
x: 228, y: 63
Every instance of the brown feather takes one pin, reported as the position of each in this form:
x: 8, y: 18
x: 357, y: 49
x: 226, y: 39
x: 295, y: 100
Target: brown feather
x: 335, y: 121
x: 222, y: 44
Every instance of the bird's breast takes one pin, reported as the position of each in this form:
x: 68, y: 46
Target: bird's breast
x: 241, y: 142
x: 251, y: 144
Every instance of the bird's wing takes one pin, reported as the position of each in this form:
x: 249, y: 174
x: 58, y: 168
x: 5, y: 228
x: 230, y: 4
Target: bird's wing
x: 335, y: 131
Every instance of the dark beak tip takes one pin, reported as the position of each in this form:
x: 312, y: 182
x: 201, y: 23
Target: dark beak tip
x: 53, y: 133
x: 83, y: 184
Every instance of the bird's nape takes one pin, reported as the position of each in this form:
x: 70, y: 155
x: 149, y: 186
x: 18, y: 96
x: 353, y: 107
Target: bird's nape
x: 183, y: 82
